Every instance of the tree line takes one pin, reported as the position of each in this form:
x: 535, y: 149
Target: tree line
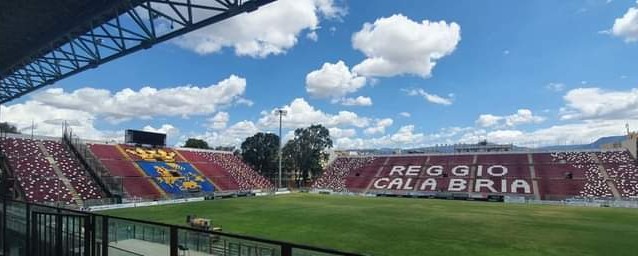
x: 303, y: 156
x: 8, y: 128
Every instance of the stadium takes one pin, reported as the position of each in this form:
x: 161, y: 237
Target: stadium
x: 139, y: 195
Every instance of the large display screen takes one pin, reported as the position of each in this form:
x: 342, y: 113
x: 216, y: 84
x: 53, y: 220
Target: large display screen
x: 146, y: 138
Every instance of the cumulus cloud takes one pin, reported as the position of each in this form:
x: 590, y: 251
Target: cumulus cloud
x: 168, y: 129
x: 596, y: 103
x: 522, y: 116
x: 573, y: 133
x: 358, y: 101
x: 432, y: 98
x: 301, y: 114
x: 148, y: 101
x: 313, y: 36
x: 333, y: 81
x: 379, y: 127
x: 397, y: 45
x: 271, y: 30
x: 47, y: 121
x: 219, y: 121
x: 234, y: 135
x: 627, y: 25
x: 244, y: 101
x: 337, y: 133
x: 488, y: 120
x: 404, y: 137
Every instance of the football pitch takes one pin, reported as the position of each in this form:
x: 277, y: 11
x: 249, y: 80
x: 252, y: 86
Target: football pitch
x: 405, y: 226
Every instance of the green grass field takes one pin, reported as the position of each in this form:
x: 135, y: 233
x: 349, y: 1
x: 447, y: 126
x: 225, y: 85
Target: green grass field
x: 403, y: 226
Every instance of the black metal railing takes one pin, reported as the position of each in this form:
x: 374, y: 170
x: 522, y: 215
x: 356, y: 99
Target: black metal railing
x: 111, y: 184
x: 103, y: 235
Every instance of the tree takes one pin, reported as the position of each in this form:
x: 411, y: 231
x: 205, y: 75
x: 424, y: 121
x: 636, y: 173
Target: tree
x: 260, y: 151
x: 307, y: 151
x: 8, y: 128
x: 289, y: 157
x: 196, y: 143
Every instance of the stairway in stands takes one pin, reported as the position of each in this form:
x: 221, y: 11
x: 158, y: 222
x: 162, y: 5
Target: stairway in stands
x: 603, y: 172
x: 532, y: 173
x: 56, y: 168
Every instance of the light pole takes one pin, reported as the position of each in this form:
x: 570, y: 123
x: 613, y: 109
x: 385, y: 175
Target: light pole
x: 281, y: 113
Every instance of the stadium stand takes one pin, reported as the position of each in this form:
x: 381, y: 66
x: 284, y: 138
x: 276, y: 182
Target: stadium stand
x: 335, y: 175
x: 135, y: 183
x: 623, y: 170
x: 79, y: 178
x: 358, y: 179
x: 34, y: 173
x: 244, y: 177
x: 517, y: 164
x: 147, y: 173
x: 211, y: 170
x: 557, y: 175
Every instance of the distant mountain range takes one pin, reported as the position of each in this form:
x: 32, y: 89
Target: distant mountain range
x: 450, y: 148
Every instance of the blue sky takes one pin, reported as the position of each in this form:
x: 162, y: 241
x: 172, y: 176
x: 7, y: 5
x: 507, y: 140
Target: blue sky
x: 424, y: 72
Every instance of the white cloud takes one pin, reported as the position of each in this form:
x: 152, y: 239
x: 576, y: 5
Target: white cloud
x: 405, y: 114
x: 341, y: 133
x: 301, y: 114
x: 313, y: 36
x: 557, y: 87
x: 396, y: 45
x: 333, y: 81
x: 522, y: 116
x: 231, y: 136
x: 244, y: 101
x: 488, y: 120
x: 574, y: 133
x: 379, y: 127
x: 329, y: 9
x: 358, y: 101
x: 506, y: 52
x: 627, y: 25
x: 168, y: 129
x: 147, y: 102
x: 432, y: 98
x: 271, y: 30
x: 48, y: 121
x: 405, y: 137
x: 219, y: 121
x: 596, y: 103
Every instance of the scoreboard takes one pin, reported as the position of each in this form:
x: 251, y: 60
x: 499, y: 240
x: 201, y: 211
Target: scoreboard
x: 146, y: 138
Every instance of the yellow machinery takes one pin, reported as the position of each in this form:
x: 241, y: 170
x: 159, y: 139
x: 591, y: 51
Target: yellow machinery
x: 203, y: 224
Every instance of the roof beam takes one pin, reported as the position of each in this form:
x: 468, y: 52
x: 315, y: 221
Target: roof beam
x: 135, y: 25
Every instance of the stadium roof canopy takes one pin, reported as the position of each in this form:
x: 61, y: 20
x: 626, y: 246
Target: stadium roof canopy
x: 42, y: 42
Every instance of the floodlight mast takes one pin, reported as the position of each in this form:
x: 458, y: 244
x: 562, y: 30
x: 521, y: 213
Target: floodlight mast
x: 281, y: 112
